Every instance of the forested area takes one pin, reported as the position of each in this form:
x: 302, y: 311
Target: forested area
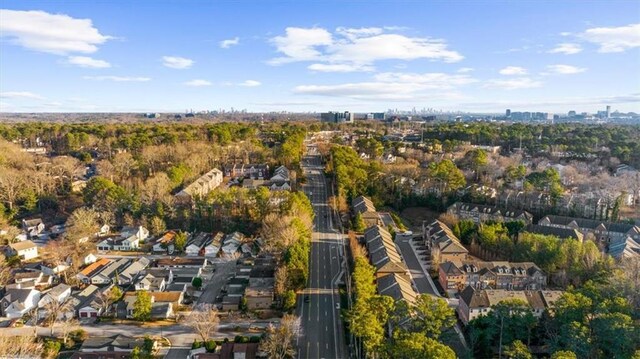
x: 596, y: 320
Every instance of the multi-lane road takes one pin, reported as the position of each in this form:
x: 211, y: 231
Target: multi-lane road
x: 319, y: 305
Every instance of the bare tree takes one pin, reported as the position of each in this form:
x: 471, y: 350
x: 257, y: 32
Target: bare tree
x: 67, y: 326
x: 203, y: 321
x: 20, y: 347
x: 54, y: 310
x: 281, y: 280
x: 280, y: 341
x: 83, y: 222
x: 5, y: 272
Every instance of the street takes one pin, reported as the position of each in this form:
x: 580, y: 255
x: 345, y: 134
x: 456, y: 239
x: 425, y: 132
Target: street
x: 322, y: 333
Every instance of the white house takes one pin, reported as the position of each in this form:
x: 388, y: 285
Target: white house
x: 33, y: 227
x: 59, y: 293
x: 17, y: 302
x: 212, y: 249
x: 139, y: 232
x: 89, y: 258
x: 196, y: 243
x: 26, y: 250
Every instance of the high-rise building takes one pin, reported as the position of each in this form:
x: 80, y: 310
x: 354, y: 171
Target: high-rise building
x: 608, y: 111
x: 508, y: 113
x: 336, y: 117
x: 571, y: 113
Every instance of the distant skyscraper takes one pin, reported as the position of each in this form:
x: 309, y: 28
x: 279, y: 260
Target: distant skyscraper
x: 571, y: 113
x: 336, y: 117
x: 508, y: 113
x: 608, y: 111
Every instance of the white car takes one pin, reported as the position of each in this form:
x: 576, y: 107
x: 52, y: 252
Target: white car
x: 337, y: 305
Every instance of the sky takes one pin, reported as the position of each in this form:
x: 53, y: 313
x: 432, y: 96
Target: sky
x: 298, y: 56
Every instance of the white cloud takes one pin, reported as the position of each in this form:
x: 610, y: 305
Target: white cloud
x: 429, y: 80
x: 86, y: 61
x: 565, y: 69
x: 513, y: 84
x: 250, y: 83
x: 513, y: 70
x: 176, y: 62
x: 52, y: 33
x: 225, y: 44
x: 356, y: 47
x: 300, y: 44
x: 392, y: 86
x: 566, y: 48
x: 354, y: 33
x: 340, y: 68
x: 21, y: 95
x: 118, y: 78
x: 614, y: 39
x: 464, y: 70
x: 198, y: 83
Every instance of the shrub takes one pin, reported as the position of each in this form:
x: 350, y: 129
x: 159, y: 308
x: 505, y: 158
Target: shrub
x: 51, y: 348
x: 197, y: 282
x: 254, y: 339
x: 210, y: 345
x: 240, y: 339
x: 196, y: 344
x: 78, y: 335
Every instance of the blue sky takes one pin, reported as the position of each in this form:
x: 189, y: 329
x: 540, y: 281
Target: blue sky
x: 169, y: 55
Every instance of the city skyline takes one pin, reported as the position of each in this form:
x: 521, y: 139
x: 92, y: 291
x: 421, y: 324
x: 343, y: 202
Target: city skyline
x: 168, y: 56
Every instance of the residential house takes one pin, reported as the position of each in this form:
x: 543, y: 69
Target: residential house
x: 561, y: 233
x: 17, y: 302
x: 259, y: 297
x: 163, y: 304
x: 454, y: 276
x: 231, y: 243
x: 102, y: 346
x: 33, y: 227
x: 139, y: 232
x: 212, y: 249
x: 165, y: 243
x: 58, y: 294
x: 476, y: 302
x: 251, y: 183
x: 252, y: 171
x: 397, y: 286
x: 107, y: 275
x: 197, y: 242
x: 280, y: 181
x: 481, y: 213
x: 26, y: 250
x: 620, y: 240
x: 92, y: 269
x: 151, y: 283
x: 383, y: 253
x: 445, y: 246
x: 200, y: 187
x: 181, y: 262
x: 84, y: 303
x: 364, y: 207
x: 130, y: 273
x: 228, y: 351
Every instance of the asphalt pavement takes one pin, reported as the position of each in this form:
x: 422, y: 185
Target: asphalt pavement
x: 321, y: 326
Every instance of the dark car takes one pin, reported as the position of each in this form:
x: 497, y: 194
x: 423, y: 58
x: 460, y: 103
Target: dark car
x: 307, y: 299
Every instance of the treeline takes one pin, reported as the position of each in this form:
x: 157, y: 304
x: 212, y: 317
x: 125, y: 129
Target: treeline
x: 622, y: 141
x: 416, y: 329
x: 596, y: 320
